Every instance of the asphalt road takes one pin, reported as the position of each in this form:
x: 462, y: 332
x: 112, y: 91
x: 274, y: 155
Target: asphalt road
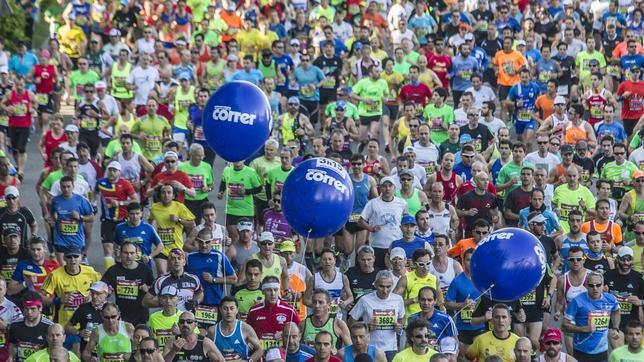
x: 29, y: 197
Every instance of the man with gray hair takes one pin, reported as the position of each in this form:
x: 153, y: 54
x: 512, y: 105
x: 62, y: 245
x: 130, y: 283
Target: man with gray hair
x: 201, y: 175
x: 384, y: 313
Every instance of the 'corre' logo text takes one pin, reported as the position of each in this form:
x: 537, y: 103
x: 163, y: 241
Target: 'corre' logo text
x: 223, y: 113
x: 321, y: 176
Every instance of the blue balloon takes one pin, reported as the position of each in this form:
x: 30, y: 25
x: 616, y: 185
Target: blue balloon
x: 237, y: 120
x: 317, y: 197
x: 509, y: 262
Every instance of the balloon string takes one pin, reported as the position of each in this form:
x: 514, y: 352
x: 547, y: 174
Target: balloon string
x: 306, y: 241
x: 466, y: 307
x: 223, y: 242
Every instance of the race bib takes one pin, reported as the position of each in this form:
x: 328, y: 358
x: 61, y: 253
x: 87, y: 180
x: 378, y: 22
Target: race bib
x: 153, y: 145
x: 26, y: 349
x: 75, y: 301
x: 524, y: 115
x: 466, y: 74
x: 599, y: 319
x: 7, y: 271
x: 197, y: 181
x: 466, y: 315
x: 530, y: 298
x: 430, y: 168
x: 329, y: 82
x: 68, y: 227
x: 307, y: 92
x: 508, y: 68
x: 166, y: 235
x: 625, y: 307
x: 267, y: 341
x: 596, y: 112
x: 612, y: 70
x: 234, y: 191
x: 334, y: 308
x: 354, y: 217
x: 199, y: 135
x: 162, y: 336
x: 113, y: 357
x: 564, y: 210
x: 42, y: 99
x: 127, y: 289
x: 4, y: 121
x: 120, y: 81
x: 437, y: 123
x: 373, y: 107
x: 89, y: 124
x: 384, y: 319
x: 544, y: 76
x: 3, y: 339
x: 19, y: 110
x: 206, y: 315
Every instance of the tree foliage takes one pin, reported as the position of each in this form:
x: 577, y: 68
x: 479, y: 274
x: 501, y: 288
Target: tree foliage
x: 12, y: 27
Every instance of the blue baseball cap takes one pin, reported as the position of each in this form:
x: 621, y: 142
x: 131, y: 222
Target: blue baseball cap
x: 408, y: 219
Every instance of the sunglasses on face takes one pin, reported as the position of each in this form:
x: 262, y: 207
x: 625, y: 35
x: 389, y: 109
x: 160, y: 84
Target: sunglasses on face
x: 186, y: 321
x: 147, y: 350
x: 479, y: 232
x: 170, y: 161
x: 575, y: 259
x: 72, y: 256
x: 595, y: 285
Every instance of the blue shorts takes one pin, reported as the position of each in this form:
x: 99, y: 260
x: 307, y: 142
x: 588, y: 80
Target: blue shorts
x: 521, y: 127
x: 64, y: 249
x: 70, y: 340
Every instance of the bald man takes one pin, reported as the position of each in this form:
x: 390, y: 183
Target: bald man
x: 291, y: 337
x: 191, y: 346
x: 523, y: 350
x: 55, y: 350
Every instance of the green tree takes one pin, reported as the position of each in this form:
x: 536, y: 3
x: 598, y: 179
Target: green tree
x: 12, y: 27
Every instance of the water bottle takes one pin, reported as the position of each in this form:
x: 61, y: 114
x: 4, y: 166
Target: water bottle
x: 89, y: 327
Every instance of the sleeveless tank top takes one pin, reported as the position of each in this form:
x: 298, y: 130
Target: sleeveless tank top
x: 598, y: 265
x: 558, y: 124
x: 288, y: 127
x: 413, y: 203
x: 130, y: 169
x: 596, y: 103
x: 607, y: 234
x: 232, y: 346
x: 445, y: 278
x: 573, y: 290
x: 341, y: 124
x: 372, y: 168
x: 182, y: 101
x: 274, y: 270
x: 127, y: 123
x: 573, y: 133
x: 212, y: 71
x: 361, y: 195
x: 216, y: 235
x: 562, y: 358
x: 21, y: 115
x: 334, y: 288
x: 268, y: 71
x: 348, y: 353
x: 439, y: 220
x: 449, y: 186
x: 297, y: 281
x: 195, y: 354
x: 164, y: 88
x: 113, y: 347
x: 89, y: 124
x: 310, y: 331
x: 119, y: 80
x: 566, y: 244
x: 414, y: 284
